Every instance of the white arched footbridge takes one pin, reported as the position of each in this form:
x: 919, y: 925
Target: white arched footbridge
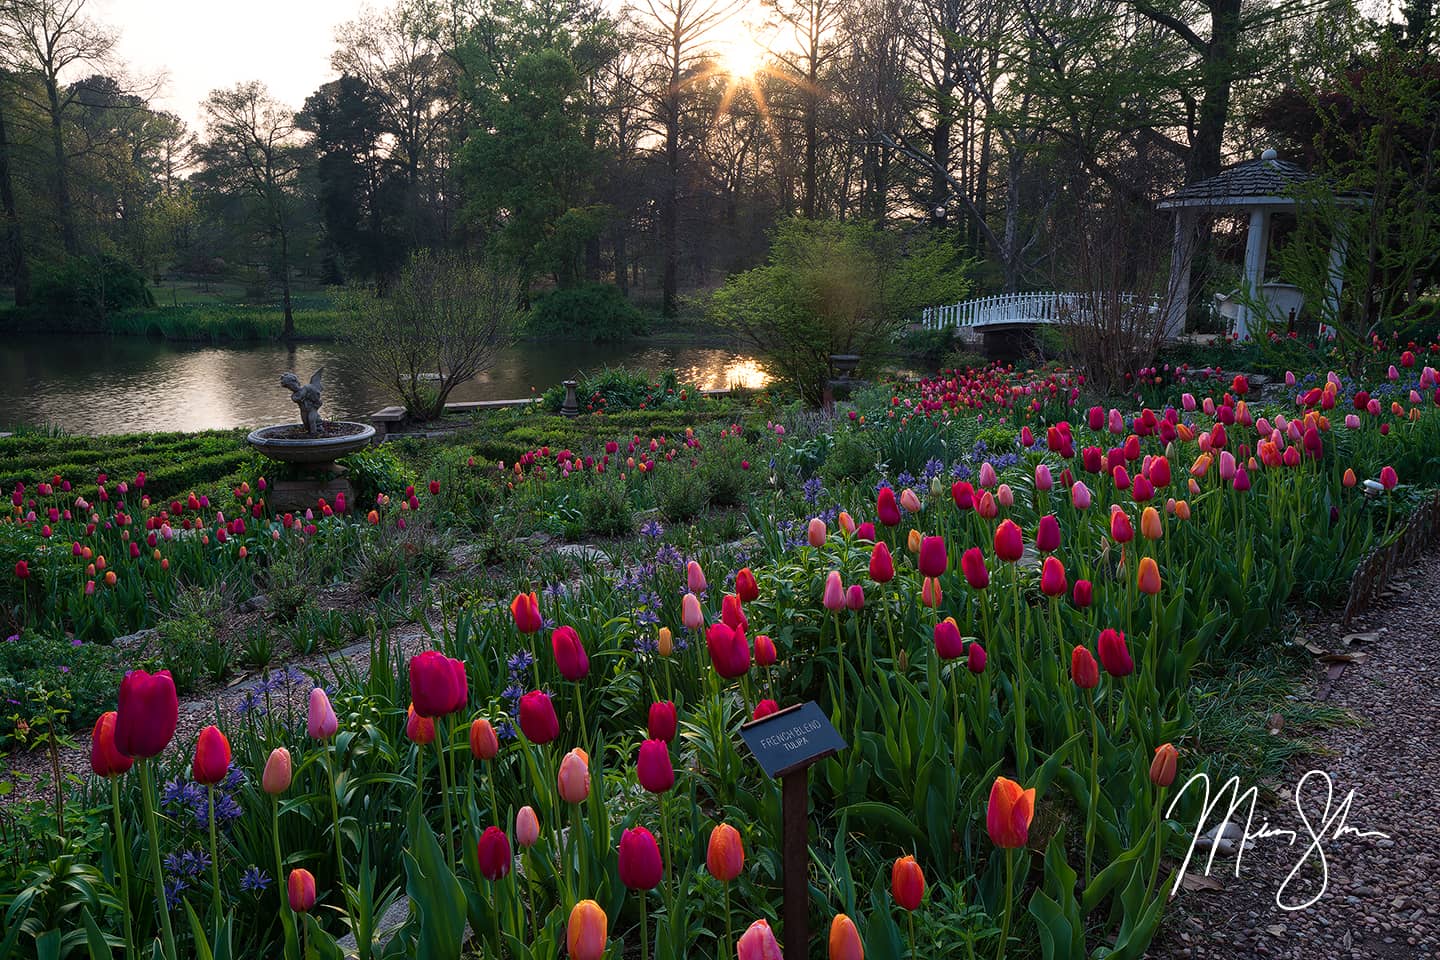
x: 1010, y: 310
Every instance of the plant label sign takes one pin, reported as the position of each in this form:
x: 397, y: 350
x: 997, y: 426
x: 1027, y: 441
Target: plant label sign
x: 792, y: 739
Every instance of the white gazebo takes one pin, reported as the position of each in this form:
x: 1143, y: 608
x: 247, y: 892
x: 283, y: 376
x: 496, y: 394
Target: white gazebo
x: 1259, y: 187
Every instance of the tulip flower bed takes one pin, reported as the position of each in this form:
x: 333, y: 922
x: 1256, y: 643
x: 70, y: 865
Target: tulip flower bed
x: 1007, y: 638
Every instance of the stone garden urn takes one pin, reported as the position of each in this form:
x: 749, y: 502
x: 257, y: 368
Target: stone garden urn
x: 311, y: 447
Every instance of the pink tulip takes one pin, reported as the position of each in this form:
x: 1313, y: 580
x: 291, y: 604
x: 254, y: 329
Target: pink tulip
x: 834, y: 596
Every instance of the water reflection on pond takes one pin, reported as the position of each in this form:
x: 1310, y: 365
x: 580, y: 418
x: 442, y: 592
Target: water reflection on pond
x: 123, y: 384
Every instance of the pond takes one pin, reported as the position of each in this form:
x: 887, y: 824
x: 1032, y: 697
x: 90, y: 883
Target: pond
x: 98, y: 384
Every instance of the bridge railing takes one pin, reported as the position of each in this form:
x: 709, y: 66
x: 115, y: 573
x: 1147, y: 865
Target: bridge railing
x: 1045, y: 307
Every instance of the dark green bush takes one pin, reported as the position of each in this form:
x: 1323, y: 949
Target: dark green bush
x: 377, y: 470
x: 605, y: 507
x: 677, y: 493
x: 597, y: 312
x: 35, y: 669
x: 851, y: 458
x: 80, y: 293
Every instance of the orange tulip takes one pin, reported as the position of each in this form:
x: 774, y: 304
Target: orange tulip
x: 587, y: 931
x: 1008, y: 816
x: 300, y: 886
x: 484, y: 744
x: 912, y: 541
x: 725, y: 855
x: 1148, y: 579
x: 1162, y: 768
x: 845, y: 939
x: 1150, y: 526
x: 665, y: 642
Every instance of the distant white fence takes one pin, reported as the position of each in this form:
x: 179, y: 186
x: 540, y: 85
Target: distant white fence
x: 1007, y: 309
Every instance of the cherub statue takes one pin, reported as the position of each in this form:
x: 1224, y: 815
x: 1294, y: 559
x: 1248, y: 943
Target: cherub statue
x: 307, y: 398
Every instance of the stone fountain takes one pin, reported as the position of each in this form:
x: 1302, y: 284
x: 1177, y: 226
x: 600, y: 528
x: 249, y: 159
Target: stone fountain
x: 312, y: 446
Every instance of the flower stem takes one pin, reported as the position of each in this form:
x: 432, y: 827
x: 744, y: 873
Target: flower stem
x: 122, y: 867
x: 148, y: 799
x: 214, y: 857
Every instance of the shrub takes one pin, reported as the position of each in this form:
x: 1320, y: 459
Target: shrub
x: 851, y: 458
x: 437, y: 326
x: 80, y: 293
x: 377, y: 470
x: 605, y: 507
x: 619, y: 389
x: 597, y: 312
x: 677, y: 494
x: 34, y: 667
x: 724, y: 473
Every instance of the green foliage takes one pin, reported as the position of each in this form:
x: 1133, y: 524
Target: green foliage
x: 208, y: 461
x: 677, y: 494
x: 80, y: 293
x: 833, y: 287
x: 181, y: 644
x: 37, y: 668
x: 852, y: 458
x: 597, y: 312
x: 604, y: 507
x: 375, y: 470
x: 618, y: 389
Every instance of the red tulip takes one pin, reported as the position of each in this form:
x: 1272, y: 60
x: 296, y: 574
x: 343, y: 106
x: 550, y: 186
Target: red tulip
x: 1120, y: 529
x: 1083, y: 668
x: 1159, y: 473
x: 105, y: 759
x: 882, y: 568
x: 640, y: 864
x: 1388, y: 477
x: 886, y: 509
x: 212, y: 757
x: 147, y: 713
x: 493, y: 852
x: 855, y: 597
x: 729, y: 653
x: 653, y: 768
x: 948, y: 642
x: 963, y: 494
x: 537, y: 717
x: 725, y: 853
x: 1114, y: 655
x: 1084, y: 594
x: 732, y: 614
x: 1047, y: 534
x: 22, y: 569
x: 765, y: 655
x: 438, y: 686
x: 865, y: 532
x: 1052, y: 578
x: 972, y: 564
x: 764, y: 708
x: 975, y: 657
x: 1009, y: 541
x: 569, y: 652
x: 907, y: 883
x: 1009, y: 813
x: 746, y: 586
x: 525, y: 609
x: 932, y: 557
x: 301, y: 889
x: 662, y: 721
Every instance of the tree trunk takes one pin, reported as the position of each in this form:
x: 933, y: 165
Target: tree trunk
x: 62, y: 171
x: 289, y: 331
x: 670, y: 215
x: 14, y: 241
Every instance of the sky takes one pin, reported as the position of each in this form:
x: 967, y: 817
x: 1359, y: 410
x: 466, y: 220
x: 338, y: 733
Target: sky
x: 204, y: 45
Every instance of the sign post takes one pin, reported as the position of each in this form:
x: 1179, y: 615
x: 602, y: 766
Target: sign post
x: 787, y: 743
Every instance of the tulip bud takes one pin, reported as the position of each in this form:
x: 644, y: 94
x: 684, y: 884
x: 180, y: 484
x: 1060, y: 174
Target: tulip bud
x: 975, y: 657
x: 662, y: 721
x: 763, y: 709
x: 690, y: 613
x: 725, y: 853
x: 664, y: 642
x: 493, y: 854
x: 570, y: 657
x: 653, y: 768
x: 972, y: 564
x: 278, y: 773
x: 484, y: 744
x: 1114, y: 655
x: 1052, y: 578
x: 1083, y: 595
x: 695, y: 577
x: 525, y: 611
x: 765, y: 654
x: 438, y: 684
x: 418, y: 727
x: 573, y: 779
x: 301, y: 890
x: 105, y: 759
x: 948, y: 642
x: 882, y: 567
x: 907, y: 883
x: 1150, y: 526
x: 833, y: 598
x: 745, y: 585
x: 587, y: 931
x: 321, y: 723
x: 815, y: 532
x: 1009, y: 541
x: 537, y: 718
x: 909, y: 500
x: 1047, y: 534
x: 1148, y: 576
x: 527, y: 827
x: 1162, y: 768
x: 1083, y: 668
x: 886, y: 509
x: 930, y: 593
x: 641, y: 866
x: 758, y: 943
x: 932, y: 561
x: 845, y: 940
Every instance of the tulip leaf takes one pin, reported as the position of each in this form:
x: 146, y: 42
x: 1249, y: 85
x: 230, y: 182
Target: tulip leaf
x: 95, y: 940
x: 439, y: 900
x: 197, y: 930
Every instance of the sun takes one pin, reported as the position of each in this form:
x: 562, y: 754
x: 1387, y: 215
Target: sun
x: 743, y: 57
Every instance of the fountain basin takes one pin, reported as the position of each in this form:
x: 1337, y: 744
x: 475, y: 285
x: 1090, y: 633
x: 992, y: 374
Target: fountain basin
x: 289, y: 442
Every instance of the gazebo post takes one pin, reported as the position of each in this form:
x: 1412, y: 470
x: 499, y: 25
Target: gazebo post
x: 1257, y: 242
x: 1182, y: 252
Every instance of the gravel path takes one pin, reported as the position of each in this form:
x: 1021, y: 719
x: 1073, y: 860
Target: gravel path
x: 1382, y: 899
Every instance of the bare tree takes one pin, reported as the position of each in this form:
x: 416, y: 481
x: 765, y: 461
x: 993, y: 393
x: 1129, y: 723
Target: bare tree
x: 252, y: 147
x: 440, y: 324
x: 49, y: 38
x: 815, y: 42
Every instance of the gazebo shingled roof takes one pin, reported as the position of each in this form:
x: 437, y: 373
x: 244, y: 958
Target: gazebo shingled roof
x: 1260, y: 180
